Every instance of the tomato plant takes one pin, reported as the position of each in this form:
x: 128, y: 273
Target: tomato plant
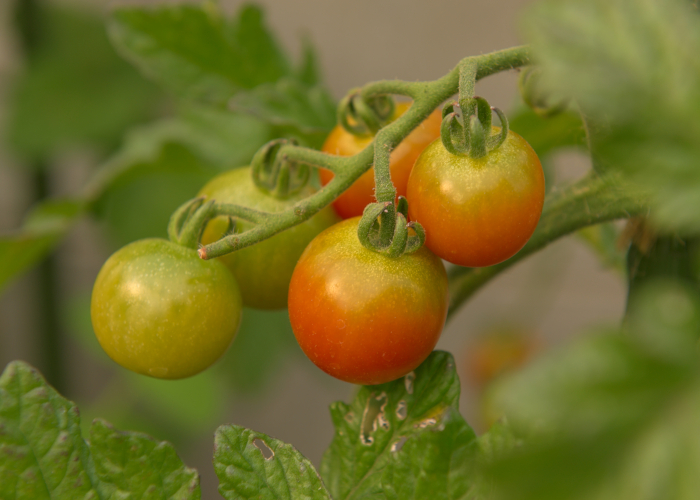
x: 477, y: 212
x: 612, y: 415
x: 263, y: 271
x: 352, y: 202
x: 159, y: 310
x: 361, y: 316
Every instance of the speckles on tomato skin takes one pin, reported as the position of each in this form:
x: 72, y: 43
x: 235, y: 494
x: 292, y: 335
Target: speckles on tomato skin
x: 159, y: 310
x: 393, y: 309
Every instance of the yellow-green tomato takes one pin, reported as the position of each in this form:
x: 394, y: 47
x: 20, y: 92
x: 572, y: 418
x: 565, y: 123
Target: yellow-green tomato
x: 159, y: 310
x: 264, y: 270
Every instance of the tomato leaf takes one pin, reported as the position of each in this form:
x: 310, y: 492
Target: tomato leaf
x: 43, y: 455
x: 632, y: 67
x: 43, y: 229
x: 309, y: 71
x: 84, y: 93
x: 166, y: 162
x: 309, y: 112
x: 252, y: 465
x: 404, y: 439
x: 140, y: 465
x: 216, y: 140
x: 196, y: 52
x: 614, y: 415
x: 548, y: 134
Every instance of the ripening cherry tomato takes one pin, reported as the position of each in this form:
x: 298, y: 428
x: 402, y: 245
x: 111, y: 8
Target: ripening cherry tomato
x: 159, y: 310
x: 263, y: 270
x: 361, y: 316
x: 496, y: 352
x: 477, y: 212
x: 341, y: 142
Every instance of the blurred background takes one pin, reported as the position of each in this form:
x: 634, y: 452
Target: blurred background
x: 67, y: 101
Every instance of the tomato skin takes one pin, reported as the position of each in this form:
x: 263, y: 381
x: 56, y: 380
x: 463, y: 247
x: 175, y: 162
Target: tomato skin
x: 361, y: 316
x: 263, y: 270
x: 159, y: 310
x: 477, y: 212
x: 341, y: 142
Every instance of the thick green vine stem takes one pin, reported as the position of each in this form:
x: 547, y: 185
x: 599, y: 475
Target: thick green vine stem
x: 275, y: 174
x: 592, y: 200
x: 426, y: 97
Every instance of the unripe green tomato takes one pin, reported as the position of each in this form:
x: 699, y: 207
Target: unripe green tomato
x: 263, y: 271
x: 159, y: 310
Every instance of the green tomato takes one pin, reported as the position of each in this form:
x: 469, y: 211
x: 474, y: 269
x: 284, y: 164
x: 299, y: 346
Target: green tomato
x: 264, y: 270
x: 159, y: 310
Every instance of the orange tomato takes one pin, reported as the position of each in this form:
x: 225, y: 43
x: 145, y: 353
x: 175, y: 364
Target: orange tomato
x: 340, y: 142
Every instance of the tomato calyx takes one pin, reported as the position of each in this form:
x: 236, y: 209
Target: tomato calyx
x: 466, y: 128
x: 384, y: 228
x: 365, y: 116
x: 276, y: 174
x: 188, y: 221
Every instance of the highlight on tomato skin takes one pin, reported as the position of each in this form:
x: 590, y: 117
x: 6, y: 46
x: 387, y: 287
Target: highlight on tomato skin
x: 477, y: 212
x: 341, y: 142
x: 361, y: 316
x: 159, y: 310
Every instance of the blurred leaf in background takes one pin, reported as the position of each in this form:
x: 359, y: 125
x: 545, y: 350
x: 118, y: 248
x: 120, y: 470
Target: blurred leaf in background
x: 632, y: 67
x: 614, y: 415
x: 221, y: 59
x: 163, y: 164
x: 43, y: 229
x: 74, y: 90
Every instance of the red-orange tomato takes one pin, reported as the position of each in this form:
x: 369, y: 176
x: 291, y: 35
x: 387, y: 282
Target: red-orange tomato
x: 341, y: 142
x: 361, y: 316
x: 477, y: 212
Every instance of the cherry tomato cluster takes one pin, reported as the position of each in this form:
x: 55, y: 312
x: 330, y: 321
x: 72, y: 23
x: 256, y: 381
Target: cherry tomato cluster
x: 359, y: 315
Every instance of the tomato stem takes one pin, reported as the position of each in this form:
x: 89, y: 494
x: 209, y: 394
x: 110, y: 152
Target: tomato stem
x: 426, y: 97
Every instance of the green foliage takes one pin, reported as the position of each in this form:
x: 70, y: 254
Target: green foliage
x: 307, y: 113
x: 252, y: 465
x: 42, y: 230
x: 87, y: 96
x: 632, y: 67
x: 405, y: 439
x: 84, y: 94
x: 546, y: 135
x: 196, y: 52
x: 612, y: 416
x: 43, y: 455
x: 166, y: 162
